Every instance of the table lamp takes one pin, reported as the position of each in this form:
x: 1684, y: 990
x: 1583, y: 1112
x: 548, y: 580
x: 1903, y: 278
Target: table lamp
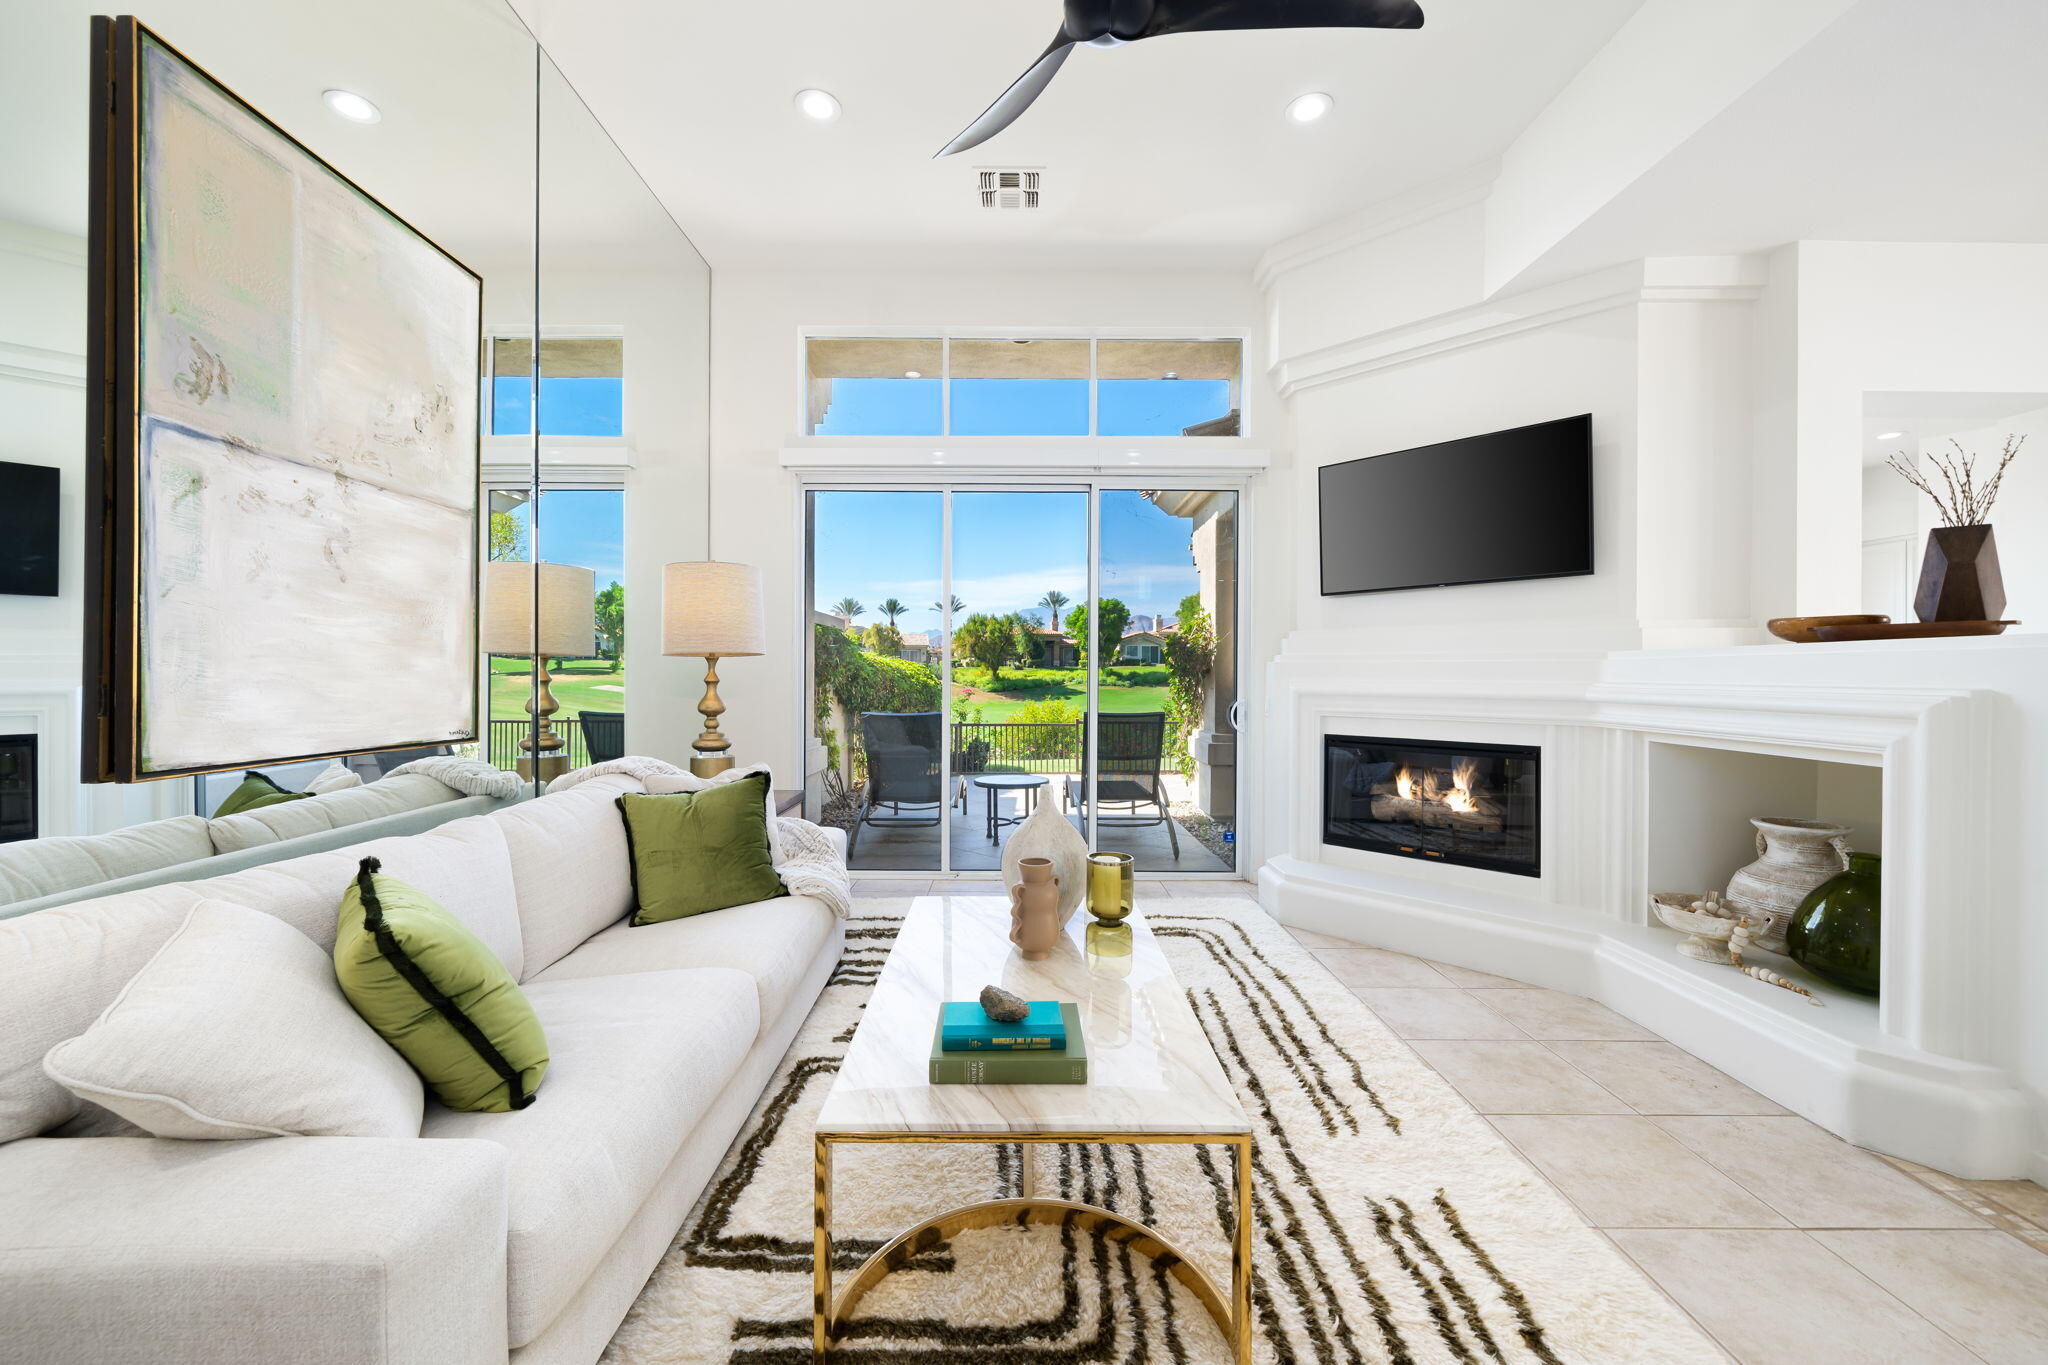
x: 711, y: 610
x: 562, y: 626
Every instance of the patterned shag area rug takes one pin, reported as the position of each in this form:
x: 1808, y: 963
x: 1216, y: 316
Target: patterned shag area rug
x: 1393, y: 1223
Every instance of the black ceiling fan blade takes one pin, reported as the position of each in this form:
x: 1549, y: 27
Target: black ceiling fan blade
x: 1211, y: 16
x: 1013, y: 101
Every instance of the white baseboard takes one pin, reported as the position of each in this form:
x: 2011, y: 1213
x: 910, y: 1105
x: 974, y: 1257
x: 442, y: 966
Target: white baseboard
x: 1831, y: 1063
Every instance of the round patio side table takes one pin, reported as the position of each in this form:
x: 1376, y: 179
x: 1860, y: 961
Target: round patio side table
x: 993, y: 783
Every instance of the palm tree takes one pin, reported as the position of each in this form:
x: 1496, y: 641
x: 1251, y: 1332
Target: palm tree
x: 1053, y: 602
x: 846, y: 608
x: 892, y: 609
x: 958, y: 607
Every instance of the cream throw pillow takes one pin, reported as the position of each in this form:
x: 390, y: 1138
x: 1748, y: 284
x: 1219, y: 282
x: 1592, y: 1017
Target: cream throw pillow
x: 238, y: 1029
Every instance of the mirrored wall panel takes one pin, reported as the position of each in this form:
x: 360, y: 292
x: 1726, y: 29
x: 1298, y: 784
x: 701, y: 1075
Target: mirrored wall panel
x: 581, y: 403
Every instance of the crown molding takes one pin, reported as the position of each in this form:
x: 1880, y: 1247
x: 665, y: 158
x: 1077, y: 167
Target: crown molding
x: 25, y: 239
x: 1383, y: 219
x: 35, y: 365
x: 1675, y: 279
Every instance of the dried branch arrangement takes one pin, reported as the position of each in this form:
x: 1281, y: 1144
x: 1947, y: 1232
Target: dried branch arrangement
x: 1960, y: 500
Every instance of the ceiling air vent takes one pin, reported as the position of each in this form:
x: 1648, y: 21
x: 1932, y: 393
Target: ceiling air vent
x: 1008, y: 189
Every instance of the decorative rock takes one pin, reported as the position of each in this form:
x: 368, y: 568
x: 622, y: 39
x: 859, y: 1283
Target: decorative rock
x: 1003, y: 1007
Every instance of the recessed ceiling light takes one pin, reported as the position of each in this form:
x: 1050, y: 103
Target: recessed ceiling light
x: 1310, y: 107
x: 351, y: 106
x: 913, y: 374
x: 817, y: 104
x: 1889, y: 435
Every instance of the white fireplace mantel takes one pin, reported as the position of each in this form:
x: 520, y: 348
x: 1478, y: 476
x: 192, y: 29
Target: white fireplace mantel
x: 1930, y: 1072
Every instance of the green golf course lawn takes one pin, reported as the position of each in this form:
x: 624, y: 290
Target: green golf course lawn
x: 578, y: 684
x: 1145, y: 689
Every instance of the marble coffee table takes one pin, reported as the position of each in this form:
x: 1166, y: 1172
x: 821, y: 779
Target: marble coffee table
x: 1152, y: 1077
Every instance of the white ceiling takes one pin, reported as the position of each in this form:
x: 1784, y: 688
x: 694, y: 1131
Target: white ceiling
x: 1168, y: 153
x: 1900, y: 421
x: 1902, y: 121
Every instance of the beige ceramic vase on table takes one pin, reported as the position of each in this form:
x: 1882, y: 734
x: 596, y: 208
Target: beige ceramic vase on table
x: 1794, y: 856
x: 1035, y: 910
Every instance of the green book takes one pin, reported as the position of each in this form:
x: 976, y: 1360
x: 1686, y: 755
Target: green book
x: 1039, y: 1066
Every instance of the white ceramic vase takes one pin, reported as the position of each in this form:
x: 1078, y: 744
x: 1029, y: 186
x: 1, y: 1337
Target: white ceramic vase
x: 1048, y: 834
x: 1795, y: 857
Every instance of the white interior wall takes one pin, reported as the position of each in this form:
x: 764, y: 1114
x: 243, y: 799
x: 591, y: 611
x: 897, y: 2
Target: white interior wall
x: 757, y: 320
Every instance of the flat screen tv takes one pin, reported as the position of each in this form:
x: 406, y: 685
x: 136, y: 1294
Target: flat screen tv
x: 28, y: 530
x: 1485, y: 509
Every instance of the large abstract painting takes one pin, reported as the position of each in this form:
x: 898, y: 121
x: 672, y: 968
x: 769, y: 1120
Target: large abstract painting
x: 289, y: 447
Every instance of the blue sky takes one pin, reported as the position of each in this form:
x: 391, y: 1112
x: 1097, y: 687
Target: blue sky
x: 585, y: 527
x: 1009, y: 550
x: 1022, y: 407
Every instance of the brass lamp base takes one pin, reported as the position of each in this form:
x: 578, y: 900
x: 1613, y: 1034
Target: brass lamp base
x: 710, y: 758
x: 549, y: 766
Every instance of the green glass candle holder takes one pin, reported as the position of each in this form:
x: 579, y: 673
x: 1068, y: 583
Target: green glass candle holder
x: 1111, y: 887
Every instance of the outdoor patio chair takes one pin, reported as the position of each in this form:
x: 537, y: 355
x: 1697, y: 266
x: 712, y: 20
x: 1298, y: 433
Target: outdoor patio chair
x: 1128, y: 779
x: 903, y: 771
x: 604, y: 735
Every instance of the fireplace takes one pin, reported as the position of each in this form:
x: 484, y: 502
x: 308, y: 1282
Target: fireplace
x: 1470, y: 804
x: 18, y: 780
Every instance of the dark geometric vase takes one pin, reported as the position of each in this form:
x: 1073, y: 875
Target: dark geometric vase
x: 1836, y: 932
x: 1959, y: 578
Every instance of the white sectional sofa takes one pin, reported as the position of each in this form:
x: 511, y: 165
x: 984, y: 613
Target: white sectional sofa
x: 521, y: 1236
x: 37, y: 873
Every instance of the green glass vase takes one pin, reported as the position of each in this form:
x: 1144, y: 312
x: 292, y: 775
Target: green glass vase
x: 1836, y: 932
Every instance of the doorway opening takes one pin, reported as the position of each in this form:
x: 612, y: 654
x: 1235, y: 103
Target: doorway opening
x: 977, y: 652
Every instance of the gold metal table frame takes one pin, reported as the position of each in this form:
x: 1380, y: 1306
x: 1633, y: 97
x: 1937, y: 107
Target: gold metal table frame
x: 1233, y: 1316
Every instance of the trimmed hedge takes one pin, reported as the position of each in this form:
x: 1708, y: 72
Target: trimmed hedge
x: 860, y: 681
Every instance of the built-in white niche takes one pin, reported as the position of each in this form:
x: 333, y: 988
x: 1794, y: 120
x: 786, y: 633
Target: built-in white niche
x: 1896, y: 517
x: 1701, y: 800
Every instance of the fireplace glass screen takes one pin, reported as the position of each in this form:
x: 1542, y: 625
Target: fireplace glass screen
x: 1470, y: 804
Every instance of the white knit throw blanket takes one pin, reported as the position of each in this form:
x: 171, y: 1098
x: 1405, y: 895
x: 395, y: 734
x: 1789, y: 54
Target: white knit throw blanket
x: 806, y: 858
x: 469, y: 776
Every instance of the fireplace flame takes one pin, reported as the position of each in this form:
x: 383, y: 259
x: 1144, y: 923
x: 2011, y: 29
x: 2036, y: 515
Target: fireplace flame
x: 1459, y: 798
x: 1404, y: 785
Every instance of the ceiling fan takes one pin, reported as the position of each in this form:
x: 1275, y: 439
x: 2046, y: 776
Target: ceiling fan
x: 1112, y: 23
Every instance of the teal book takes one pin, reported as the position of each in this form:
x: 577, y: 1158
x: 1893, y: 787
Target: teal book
x: 964, y: 1027
x: 1037, y: 1066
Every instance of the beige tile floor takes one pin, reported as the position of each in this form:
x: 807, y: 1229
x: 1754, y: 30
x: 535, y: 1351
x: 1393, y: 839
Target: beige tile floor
x: 1781, y: 1240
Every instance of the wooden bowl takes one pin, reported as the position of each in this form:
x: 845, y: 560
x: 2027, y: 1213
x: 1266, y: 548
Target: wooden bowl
x: 1908, y: 630
x: 1800, y: 629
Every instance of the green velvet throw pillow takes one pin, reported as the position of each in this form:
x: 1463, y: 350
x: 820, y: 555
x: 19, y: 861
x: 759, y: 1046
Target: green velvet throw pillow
x: 430, y: 987
x: 699, y: 851
x: 255, y: 792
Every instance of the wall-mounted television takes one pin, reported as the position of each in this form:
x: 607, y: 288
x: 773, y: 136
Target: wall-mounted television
x: 28, y: 530
x: 1484, y: 509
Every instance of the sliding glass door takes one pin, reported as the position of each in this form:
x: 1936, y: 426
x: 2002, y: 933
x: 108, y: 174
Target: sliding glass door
x: 979, y: 652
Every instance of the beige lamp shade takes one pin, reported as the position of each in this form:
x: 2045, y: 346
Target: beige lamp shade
x: 708, y: 607
x: 568, y: 609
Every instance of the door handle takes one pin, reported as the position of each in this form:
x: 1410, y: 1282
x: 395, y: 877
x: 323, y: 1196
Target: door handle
x: 1237, y: 715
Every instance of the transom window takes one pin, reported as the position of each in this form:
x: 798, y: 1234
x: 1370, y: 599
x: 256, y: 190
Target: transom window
x: 582, y: 386
x: 1022, y: 386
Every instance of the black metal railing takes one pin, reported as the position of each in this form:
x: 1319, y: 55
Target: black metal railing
x: 506, y: 734
x: 1016, y: 746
